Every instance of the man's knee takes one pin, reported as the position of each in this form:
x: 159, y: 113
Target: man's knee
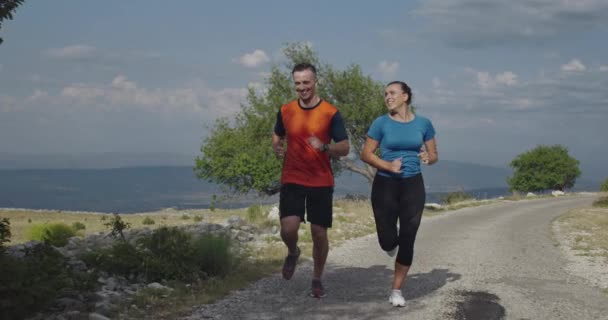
x: 290, y: 225
x: 318, y: 233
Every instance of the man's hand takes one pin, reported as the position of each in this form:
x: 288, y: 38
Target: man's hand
x: 315, y: 142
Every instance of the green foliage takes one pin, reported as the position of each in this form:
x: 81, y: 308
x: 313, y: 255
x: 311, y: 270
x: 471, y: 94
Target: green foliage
x: 238, y: 154
x: 117, y: 226
x: 255, y: 213
x: 31, y: 283
x: 166, y: 254
x: 7, y: 8
x: 55, y: 234
x: 198, y: 218
x: 148, y: 221
x: 213, y: 255
x: 604, y: 186
x: 5, y: 232
x: 77, y: 226
x: 185, y: 217
x: 455, y: 197
x: 543, y: 168
x: 601, y: 202
x: 169, y: 255
x: 120, y: 259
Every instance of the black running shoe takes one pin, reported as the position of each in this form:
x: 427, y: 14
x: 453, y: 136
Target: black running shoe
x: 289, y: 266
x: 317, y: 290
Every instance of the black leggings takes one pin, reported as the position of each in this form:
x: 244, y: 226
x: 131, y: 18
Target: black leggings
x: 403, y: 199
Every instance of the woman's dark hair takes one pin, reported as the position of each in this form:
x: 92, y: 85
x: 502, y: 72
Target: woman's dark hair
x: 304, y: 66
x: 405, y: 88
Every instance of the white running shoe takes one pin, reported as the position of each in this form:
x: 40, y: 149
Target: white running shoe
x: 396, y: 299
x: 393, y: 252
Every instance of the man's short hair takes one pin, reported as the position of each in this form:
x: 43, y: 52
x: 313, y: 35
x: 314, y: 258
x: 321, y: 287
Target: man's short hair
x: 304, y: 66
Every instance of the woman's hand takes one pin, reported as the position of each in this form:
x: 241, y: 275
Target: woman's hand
x: 424, y: 156
x: 395, y: 166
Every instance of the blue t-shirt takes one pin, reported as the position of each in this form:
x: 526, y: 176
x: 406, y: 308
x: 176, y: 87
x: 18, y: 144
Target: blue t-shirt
x: 401, y: 140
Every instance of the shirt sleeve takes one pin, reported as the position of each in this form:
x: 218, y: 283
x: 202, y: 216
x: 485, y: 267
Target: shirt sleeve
x: 429, y: 133
x: 279, y: 128
x: 375, y: 130
x: 337, y: 128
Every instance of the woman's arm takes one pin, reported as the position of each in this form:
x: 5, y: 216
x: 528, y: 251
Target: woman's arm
x: 368, y: 156
x: 429, y: 155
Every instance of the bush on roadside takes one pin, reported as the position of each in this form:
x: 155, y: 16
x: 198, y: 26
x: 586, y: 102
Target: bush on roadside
x: 77, y: 226
x: 255, y: 213
x: 55, y: 234
x: 168, y: 253
x: 31, y: 283
x: 198, y: 218
x: 214, y: 255
x: 148, y: 221
x: 5, y: 232
x: 455, y: 197
x: 601, y: 202
x: 604, y: 186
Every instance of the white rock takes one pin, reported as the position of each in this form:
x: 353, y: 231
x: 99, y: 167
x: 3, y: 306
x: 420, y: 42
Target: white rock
x: 432, y: 205
x: 557, y: 193
x: 530, y: 194
x: 273, y: 214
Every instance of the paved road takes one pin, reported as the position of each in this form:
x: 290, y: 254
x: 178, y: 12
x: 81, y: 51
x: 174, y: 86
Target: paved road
x: 492, y: 262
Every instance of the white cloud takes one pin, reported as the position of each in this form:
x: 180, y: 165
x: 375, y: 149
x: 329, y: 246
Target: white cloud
x: 485, y: 80
x: 504, y: 22
x: 387, y: 70
x: 575, y: 65
x: 603, y: 68
x: 254, y: 59
x: 195, y: 99
x: 72, y: 51
x: 436, y: 83
x: 507, y: 78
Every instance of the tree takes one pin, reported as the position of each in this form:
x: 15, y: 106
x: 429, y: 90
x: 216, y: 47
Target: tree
x: 7, y: 7
x: 238, y: 153
x: 543, y: 168
x: 604, y: 186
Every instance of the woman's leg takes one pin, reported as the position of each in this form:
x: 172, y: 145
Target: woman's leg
x: 413, y: 197
x: 385, y: 206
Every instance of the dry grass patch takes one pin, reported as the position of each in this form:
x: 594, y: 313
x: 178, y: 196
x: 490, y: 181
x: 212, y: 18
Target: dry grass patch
x: 22, y: 219
x: 588, y: 230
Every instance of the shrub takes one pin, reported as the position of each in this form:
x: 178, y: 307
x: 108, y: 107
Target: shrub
x: 55, y: 234
x: 5, y: 232
x: 148, y: 221
x: 604, y: 186
x: 31, y: 283
x: 185, y: 217
x: 78, y: 226
x: 120, y: 259
x: 601, y: 202
x: 255, y: 213
x: 117, y: 226
x: 214, y: 255
x: 455, y: 197
x: 198, y: 218
x: 170, y: 255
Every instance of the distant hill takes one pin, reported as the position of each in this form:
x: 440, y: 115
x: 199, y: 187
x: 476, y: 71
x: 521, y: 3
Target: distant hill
x: 127, y: 182
x: 101, y: 160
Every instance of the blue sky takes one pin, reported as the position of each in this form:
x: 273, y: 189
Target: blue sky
x: 496, y: 77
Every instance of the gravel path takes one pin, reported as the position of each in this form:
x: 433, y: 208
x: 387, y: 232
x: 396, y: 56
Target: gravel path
x: 492, y: 262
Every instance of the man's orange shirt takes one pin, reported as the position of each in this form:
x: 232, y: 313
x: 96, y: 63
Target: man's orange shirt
x: 303, y: 164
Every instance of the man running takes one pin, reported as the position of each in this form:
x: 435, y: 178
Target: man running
x: 307, y: 126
